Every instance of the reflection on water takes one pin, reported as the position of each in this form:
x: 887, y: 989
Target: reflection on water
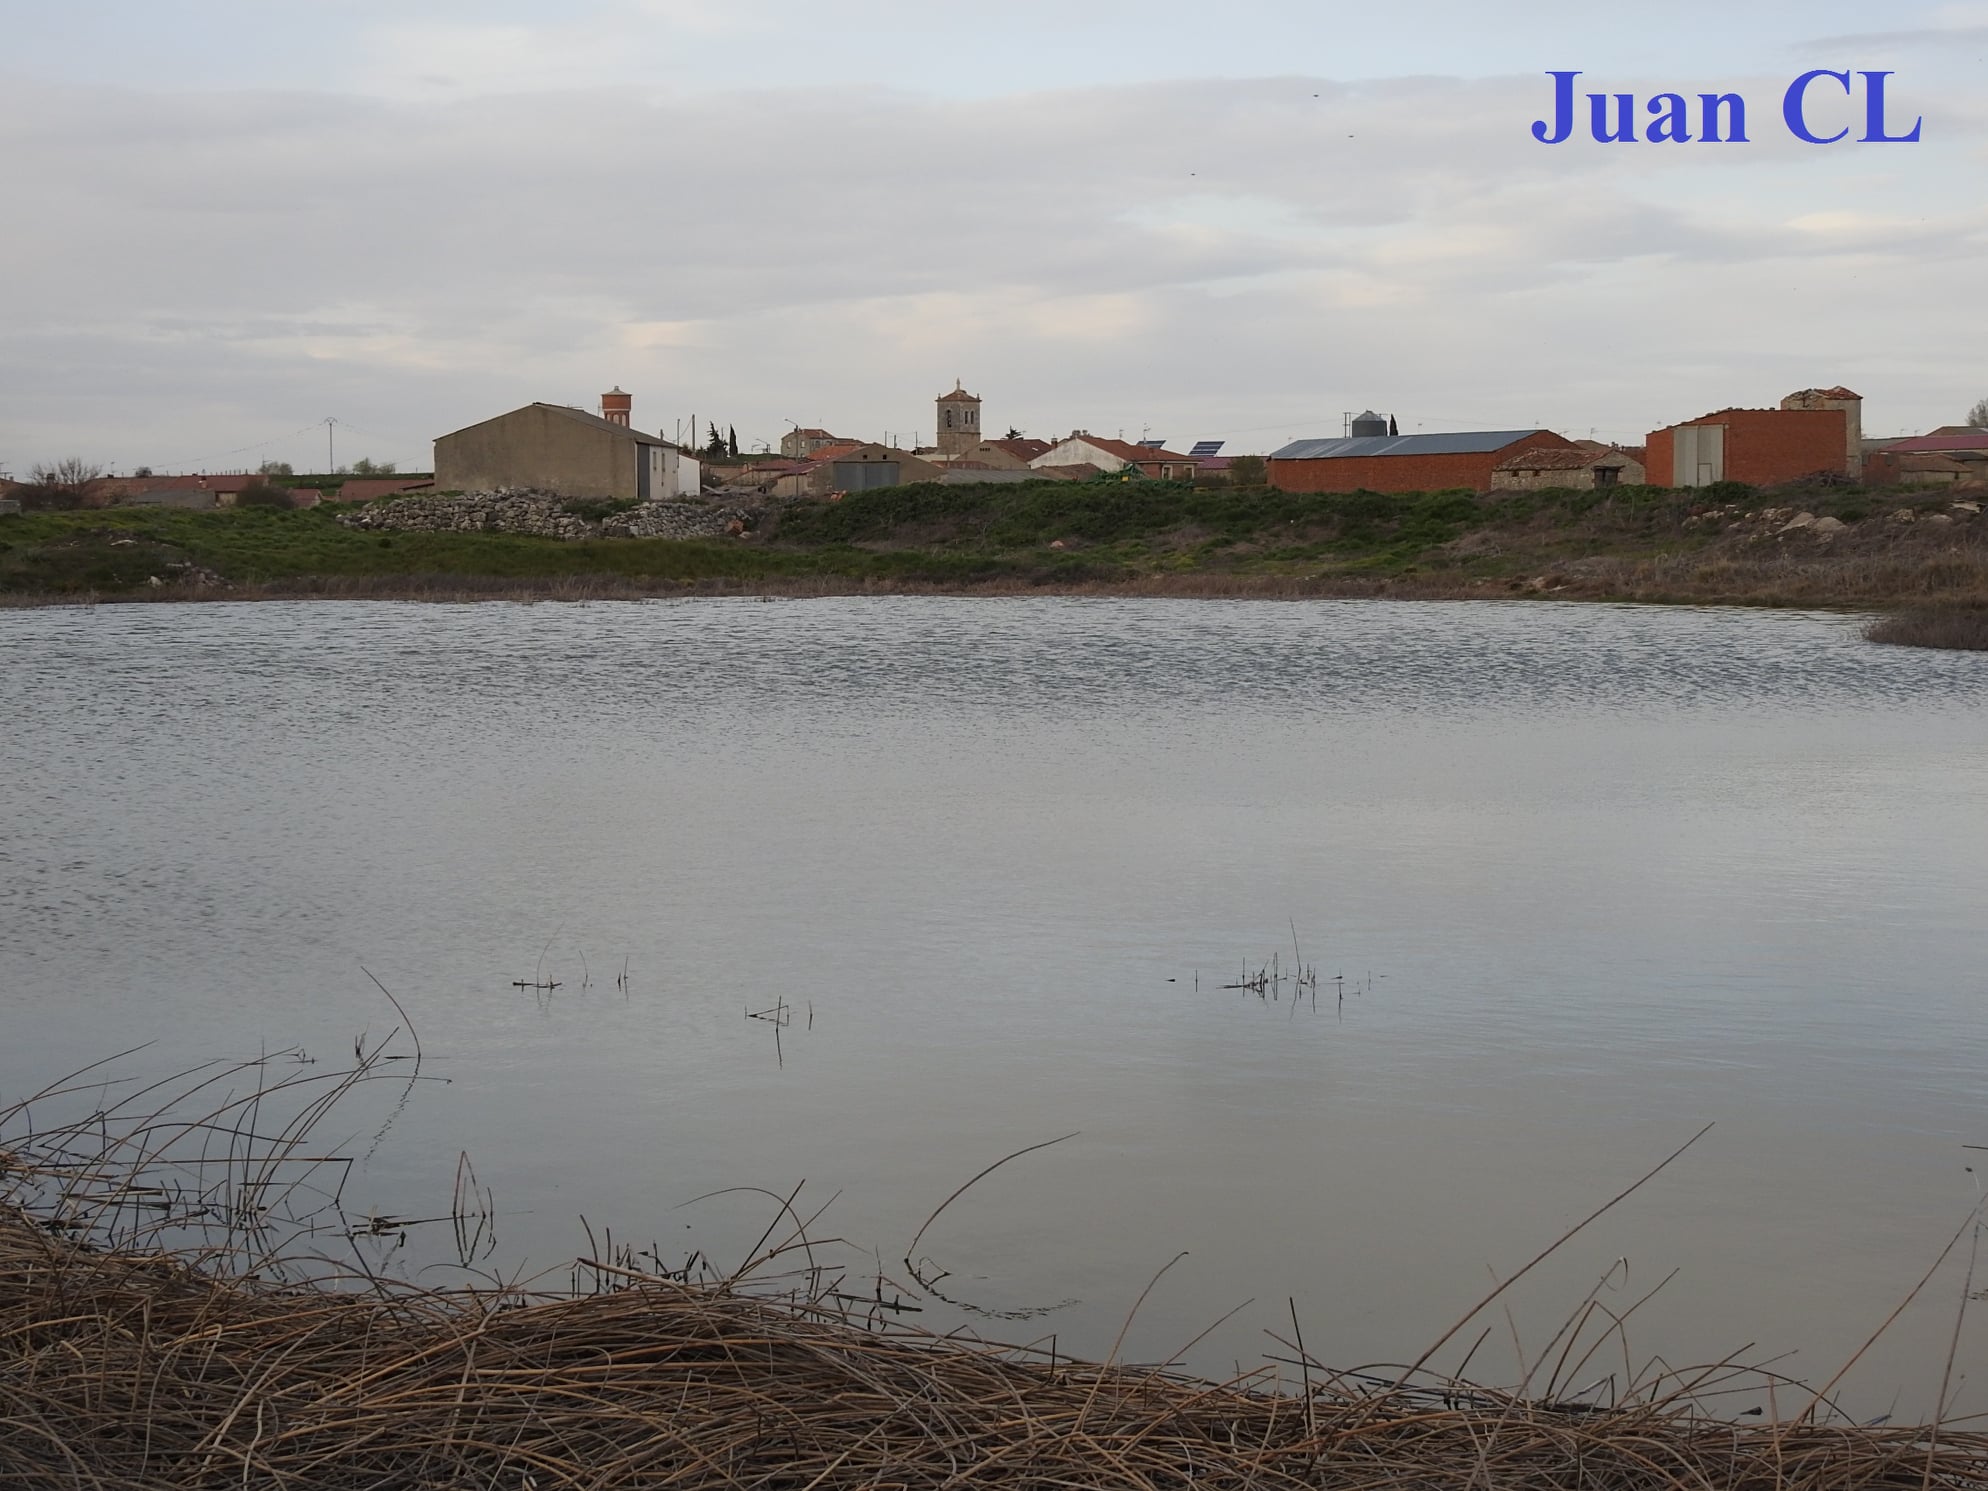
x: 1587, y: 878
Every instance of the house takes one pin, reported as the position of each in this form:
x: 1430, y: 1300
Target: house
x: 1926, y: 460
x: 1888, y: 468
x: 1402, y: 463
x: 857, y: 468
x: 873, y: 465
x: 1581, y: 468
x: 556, y: 448
x: 1004, y: 455
x: 1081, y: 448
x: 798, y: 444
x: 1021, y: 447
x: 1815, y: 431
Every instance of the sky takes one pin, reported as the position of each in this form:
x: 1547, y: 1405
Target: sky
x: 224, y: 224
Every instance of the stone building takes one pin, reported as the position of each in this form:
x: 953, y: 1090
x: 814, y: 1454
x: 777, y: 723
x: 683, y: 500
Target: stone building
x: 1852, y: 406
x: 799, y: 444
x: 958, y: 422
x: 1541, y: 466
x: 556, y: 448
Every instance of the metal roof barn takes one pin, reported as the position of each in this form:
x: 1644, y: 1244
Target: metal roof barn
x: 1473, y: 442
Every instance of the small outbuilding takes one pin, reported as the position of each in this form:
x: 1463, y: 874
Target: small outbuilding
x: 1583, y: 469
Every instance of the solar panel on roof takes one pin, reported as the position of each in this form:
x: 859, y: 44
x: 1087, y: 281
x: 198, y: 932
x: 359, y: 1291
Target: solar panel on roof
x: 1207, y: 447
x: 1152, y: 445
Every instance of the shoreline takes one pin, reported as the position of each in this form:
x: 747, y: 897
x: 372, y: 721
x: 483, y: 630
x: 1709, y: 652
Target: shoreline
x: 633, y: 1378
x: 460, y: 589
x: 1900, y: 555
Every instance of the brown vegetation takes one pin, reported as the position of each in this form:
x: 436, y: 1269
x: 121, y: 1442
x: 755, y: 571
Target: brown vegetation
x: 133, y: 1371
x: 1960, y: 627
x: 167, y: 1323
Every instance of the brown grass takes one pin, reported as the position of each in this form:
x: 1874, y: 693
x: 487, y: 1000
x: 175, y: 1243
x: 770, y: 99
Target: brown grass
x: 130, y: 1364
x: 132, y: 1371
x: 1960, y: 627
x: 457, y: 588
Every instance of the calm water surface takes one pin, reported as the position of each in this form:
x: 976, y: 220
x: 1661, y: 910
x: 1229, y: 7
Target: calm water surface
x: 1595, y: 877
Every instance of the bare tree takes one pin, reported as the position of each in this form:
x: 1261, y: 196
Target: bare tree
x: 1978, y: 415
x: 70, y: 472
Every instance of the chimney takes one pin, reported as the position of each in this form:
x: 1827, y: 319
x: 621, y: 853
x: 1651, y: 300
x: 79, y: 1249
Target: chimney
x: 615, y: 406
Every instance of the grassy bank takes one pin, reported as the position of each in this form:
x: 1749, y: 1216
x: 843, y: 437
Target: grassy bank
x: 1821, y: 547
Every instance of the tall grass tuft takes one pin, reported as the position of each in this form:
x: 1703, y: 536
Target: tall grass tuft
x: 1963, y: 628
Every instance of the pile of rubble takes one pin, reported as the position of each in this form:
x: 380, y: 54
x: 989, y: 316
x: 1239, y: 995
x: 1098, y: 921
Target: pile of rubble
x: 545, y: 515
x: 1788, y: 522
x: 1766, y: 522
x: 678, y: 520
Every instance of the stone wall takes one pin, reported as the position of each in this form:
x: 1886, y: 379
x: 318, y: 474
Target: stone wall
x: 545, y: 515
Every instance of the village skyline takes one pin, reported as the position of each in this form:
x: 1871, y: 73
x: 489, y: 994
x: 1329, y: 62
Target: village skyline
x: 1103, y: 216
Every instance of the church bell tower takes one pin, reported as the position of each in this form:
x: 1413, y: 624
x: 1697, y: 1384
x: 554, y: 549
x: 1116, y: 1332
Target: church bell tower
x: 958, y: 421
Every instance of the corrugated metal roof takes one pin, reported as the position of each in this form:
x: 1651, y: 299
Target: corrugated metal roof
x: 1471, y: 442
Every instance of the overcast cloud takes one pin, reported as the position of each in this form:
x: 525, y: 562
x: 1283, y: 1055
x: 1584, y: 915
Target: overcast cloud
x: 222, y: 229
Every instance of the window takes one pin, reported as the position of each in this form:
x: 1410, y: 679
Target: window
x: 1605, y: 476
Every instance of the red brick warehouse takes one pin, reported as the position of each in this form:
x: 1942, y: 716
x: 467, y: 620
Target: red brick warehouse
x: 1816, y: 430
x: 1402, y: 463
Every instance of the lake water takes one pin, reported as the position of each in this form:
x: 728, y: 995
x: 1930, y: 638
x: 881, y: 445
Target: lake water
x: 1594, y: 877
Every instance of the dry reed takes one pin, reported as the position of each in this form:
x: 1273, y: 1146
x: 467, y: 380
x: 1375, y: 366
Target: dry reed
x: 134, y: 1353
x: 127, y: 1371
x: 1962, y: 628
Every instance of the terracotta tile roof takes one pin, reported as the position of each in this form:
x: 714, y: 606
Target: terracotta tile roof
x: 1929, y: 461
x: 1022, y: 448
x: 840, y: 448
x: 958, y: 396
x: 1934, y: 443
x: 1125, y: 450
x: 1556, y: 458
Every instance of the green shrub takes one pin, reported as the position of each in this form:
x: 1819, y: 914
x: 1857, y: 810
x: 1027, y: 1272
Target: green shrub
x: 265, y: 494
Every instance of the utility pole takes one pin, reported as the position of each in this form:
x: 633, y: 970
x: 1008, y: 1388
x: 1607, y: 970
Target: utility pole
x: 330, y: 454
